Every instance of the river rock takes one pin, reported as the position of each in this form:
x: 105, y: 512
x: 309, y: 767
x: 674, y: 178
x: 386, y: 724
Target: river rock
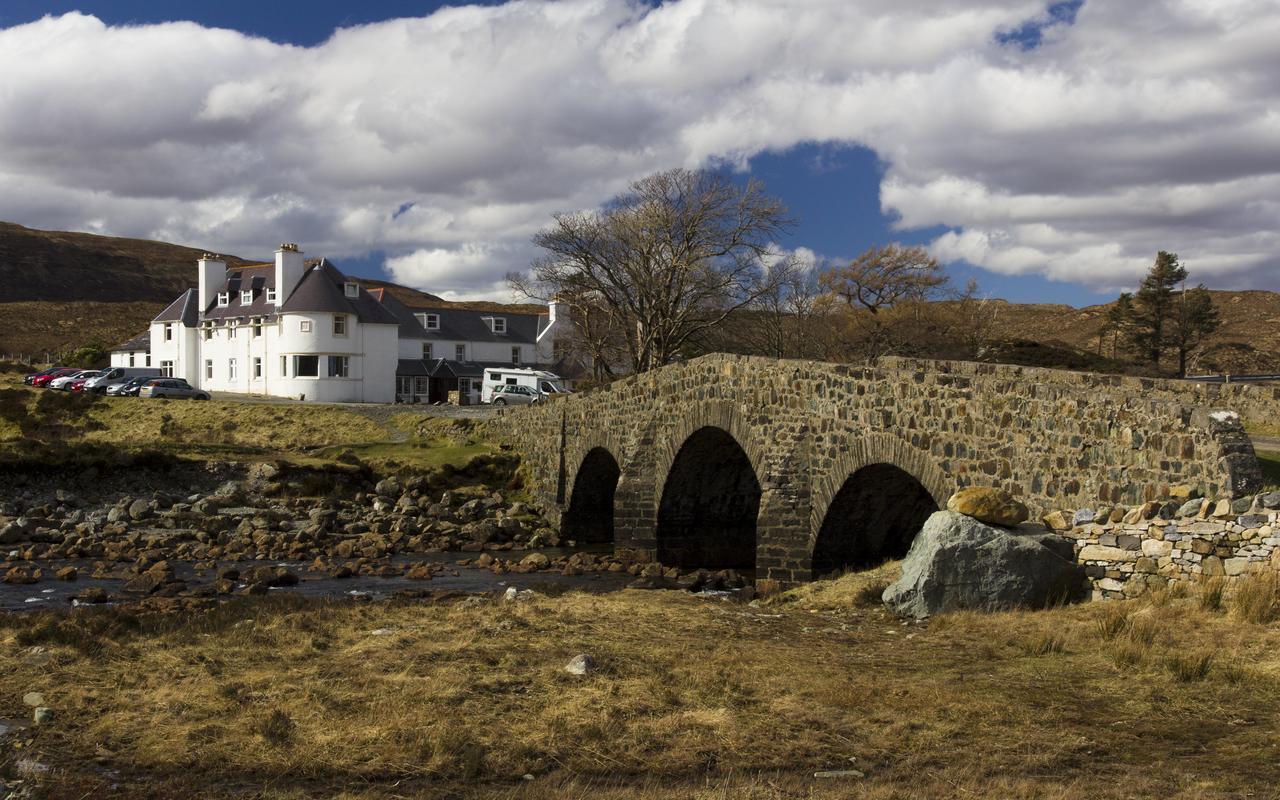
x: 388, y: 487
x: 535, y: 561
x: 958, y: 562
x: 992, y: 506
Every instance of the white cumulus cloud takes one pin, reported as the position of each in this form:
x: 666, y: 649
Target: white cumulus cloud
x: 448, y: 140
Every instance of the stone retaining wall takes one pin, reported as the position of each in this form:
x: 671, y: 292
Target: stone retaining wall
x: 1127, y: 552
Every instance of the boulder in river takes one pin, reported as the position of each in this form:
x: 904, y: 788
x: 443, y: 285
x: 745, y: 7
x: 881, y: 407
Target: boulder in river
x: 957, y: 562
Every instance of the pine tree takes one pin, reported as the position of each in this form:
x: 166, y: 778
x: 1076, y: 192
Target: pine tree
x: 1194, y: 318
x: 1154, y: 305
x: 1118, y: 324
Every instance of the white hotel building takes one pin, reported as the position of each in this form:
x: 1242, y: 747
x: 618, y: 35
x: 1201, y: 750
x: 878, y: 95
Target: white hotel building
x: 301, y: 329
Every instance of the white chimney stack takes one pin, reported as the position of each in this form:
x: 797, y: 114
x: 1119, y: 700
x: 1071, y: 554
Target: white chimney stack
x: 213, y: 276
x: 289, y: 268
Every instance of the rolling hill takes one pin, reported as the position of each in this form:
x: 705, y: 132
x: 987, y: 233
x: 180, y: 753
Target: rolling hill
x: 60, y: 290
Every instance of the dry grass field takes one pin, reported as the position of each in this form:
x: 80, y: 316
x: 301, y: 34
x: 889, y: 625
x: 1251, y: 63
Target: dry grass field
x: 1173, y: 696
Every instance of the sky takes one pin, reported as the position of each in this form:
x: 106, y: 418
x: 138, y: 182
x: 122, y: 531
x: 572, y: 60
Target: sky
x: 1047, y: 150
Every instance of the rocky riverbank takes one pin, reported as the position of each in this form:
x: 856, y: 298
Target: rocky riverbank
x: 204, y: 531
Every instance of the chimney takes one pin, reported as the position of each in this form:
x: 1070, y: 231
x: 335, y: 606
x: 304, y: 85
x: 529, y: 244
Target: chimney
x: 289, y: 268
x: 213, y: 276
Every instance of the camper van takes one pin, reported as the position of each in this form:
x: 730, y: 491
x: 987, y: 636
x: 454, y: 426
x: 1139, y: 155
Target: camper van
x: 113, y: 375
x: 543, y: 383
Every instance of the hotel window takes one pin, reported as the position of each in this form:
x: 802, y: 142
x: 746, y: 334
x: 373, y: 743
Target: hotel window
x: 271, y: 295
x: 305, y: 326
x: 515, y: 356
x: 231, y: 328
x: 431, y: 322
x: 231, y: 369
x: 168, y: 332
x: 351, y: 290
x: 223, y: 299
x: 148, y: 359
x: 499, y: 325
x: 166, y: 369
x: 426, y: 351
x: 246, y: 297
x: 257, y: 326
x: 460, y: 352
x: 306, y: 366
x: 208, y: 369
x: 339, y: 367
x: 340, y: 325
x: 131, y: 359
x: 257, y: 367
x: 206, y: 330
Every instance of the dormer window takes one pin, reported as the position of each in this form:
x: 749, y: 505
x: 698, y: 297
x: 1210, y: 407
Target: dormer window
x: 431, y: 322
x: 271, y: 295
x: 246, y: 297
x: 224, y: 299
x: 498, y: 324
x: 351, y: 289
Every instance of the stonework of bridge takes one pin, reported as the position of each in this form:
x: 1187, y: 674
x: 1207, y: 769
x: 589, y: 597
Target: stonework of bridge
x: 798, y: 468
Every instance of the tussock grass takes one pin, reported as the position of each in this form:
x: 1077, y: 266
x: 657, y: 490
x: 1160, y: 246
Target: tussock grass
x: 1257, y: 598
x: 851, y: 589
x: 691, y: 698
x: 1211, y: 593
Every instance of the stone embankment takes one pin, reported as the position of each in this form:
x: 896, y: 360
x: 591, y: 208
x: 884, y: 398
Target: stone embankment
x: 1129, y: 551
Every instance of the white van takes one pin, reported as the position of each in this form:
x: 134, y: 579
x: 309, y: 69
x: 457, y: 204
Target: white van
x: 542, y: 382
x: 114, y: 375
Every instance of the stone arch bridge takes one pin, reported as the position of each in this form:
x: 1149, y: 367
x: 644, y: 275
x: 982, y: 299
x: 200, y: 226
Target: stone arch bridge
x: 799, y: 468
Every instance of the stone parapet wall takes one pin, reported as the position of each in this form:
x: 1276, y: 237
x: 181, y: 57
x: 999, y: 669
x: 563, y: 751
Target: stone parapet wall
x: 1128, y: 552
x: 1260, y: 402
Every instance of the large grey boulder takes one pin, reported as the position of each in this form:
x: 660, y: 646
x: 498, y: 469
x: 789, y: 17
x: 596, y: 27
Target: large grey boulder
x: 957, y: 562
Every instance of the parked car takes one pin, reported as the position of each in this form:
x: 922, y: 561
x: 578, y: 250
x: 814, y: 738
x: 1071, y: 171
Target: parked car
x: 78, y: 385
x: 514, y: 395
x: 130, y: 387
x: 44, y: 380
x: 64, y: 381
x: 172, y: 387
x: 31, y: 379
x: 116, y: 375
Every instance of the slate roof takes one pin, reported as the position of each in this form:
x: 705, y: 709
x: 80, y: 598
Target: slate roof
x: 440, y: 368
x: 257, y: 278
x: 140, y: 342
x: 321, y: 290
x: 183, y: 310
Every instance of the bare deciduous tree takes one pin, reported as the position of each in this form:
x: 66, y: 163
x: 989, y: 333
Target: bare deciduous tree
x: 670, y: 258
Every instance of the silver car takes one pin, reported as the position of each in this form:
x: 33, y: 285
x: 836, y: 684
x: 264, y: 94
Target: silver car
x: 172, y: 387
x: 514, y: 395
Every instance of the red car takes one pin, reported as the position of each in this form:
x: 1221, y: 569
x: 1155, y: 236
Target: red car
x: 78, y: 385
x: 43, y: 380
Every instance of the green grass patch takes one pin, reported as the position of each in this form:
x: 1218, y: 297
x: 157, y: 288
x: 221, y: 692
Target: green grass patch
x: 417, y: 454
x: 1270, y: 462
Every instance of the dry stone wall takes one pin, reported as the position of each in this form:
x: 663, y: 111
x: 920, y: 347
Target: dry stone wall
x: 1127, y: 553
x: 1052, y: 439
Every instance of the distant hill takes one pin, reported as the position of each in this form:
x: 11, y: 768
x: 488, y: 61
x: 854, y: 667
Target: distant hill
x: 59, y: 266
x: 1247, y: 342
x: 60, y: 290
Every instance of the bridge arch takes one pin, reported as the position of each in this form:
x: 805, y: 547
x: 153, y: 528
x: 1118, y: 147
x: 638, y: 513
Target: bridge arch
x: 869, y: 505
x: 709, y: 504
x: 589, y: 515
